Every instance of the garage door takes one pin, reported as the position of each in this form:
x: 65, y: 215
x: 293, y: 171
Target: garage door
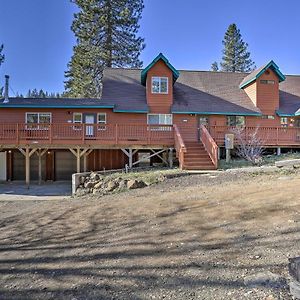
x: 65, y: 165
x: 2, y: 166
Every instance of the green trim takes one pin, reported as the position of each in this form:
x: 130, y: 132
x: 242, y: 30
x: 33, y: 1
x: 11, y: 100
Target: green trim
x: 155, y: 60
x: 286, y: 115
x: 131, y: 111
x: 216, y: 113
x: 7, y: 105
x: 271, y: 65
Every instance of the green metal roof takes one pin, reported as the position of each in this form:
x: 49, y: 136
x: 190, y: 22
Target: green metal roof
x: 257, y: 73
x: 160, y: 56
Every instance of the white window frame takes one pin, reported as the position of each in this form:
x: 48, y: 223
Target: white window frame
x: 159, y: 78
x: 160, y: 116
x: 77, y: 122
x: 28, y: 125
x: 101, y: 123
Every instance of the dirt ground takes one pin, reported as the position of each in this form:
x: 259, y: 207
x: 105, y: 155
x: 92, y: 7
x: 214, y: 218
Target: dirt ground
x: 193, y: 237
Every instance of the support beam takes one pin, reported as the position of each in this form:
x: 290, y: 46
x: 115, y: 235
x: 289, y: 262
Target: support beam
x: 130, y: 158
x: 157, y: 154
x: 278, y: 151
x: 27, y: 167
x: 85, y: 159
x: 154, y: 154
x: 170, y: 157
x: 40, y: 154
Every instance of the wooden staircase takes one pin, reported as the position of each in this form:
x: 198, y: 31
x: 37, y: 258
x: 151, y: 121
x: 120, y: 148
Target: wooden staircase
x: 202, y: 155
x: 196, y: 157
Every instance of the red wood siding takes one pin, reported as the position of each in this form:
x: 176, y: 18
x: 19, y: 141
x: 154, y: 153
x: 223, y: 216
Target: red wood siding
x: 159, y: 103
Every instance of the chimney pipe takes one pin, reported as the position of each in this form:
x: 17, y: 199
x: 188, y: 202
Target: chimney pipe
x: 6, y: 99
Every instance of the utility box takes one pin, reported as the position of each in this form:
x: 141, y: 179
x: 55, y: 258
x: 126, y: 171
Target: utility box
x: 229, y: 141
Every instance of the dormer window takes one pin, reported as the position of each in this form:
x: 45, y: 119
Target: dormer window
x: 159, y: 85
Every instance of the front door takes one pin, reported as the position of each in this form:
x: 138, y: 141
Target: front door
x: 89, y: 130
x: 202, y: 120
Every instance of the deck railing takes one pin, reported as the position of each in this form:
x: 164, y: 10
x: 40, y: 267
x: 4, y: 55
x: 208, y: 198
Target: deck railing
x: 71, y: 133
x: 179, y: 146
x: 209, y: 144
x: 270, y: 136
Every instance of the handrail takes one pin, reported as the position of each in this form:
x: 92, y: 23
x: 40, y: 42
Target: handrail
x: 78, y: 133
x: 179, y: 146
x: 209, y: 144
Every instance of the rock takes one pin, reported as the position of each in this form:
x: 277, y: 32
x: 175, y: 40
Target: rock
x: 123, y: 184
x: 94, y: 176
x: 135, y: 184
x: 284, y: 178
x: 82, y: 180
x: 89, y: 185
x: 98, y: 185
x: 82, y: 192
x: 266, y: 278
x: 112, y: 185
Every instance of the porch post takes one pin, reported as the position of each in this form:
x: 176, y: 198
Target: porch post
x: 278, y: 151
x: 27, y: 167
x: 78, y: 160
x: 130, y: 158
x: 171, y: 157
x: 40, y: 165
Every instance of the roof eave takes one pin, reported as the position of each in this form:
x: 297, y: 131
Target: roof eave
x: 272, y: 64
x: 160, y: 56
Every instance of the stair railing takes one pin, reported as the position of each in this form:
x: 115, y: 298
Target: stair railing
x: 179, y: 146
x: 209, y: 144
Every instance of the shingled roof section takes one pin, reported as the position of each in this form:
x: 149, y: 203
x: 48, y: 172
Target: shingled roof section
x: 211, y: 93
x: 123, y: 88
x: 289, y: 96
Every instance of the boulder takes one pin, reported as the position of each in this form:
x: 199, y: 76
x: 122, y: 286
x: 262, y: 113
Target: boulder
x: 112, y: 185
x: 135, y: 184
x: 123, y: 184
x: 94, y: 176
x: 98, y: 185
x: 89, y: 185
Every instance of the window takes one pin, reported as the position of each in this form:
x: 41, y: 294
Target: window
x: 101, y: 119
x: 38, y: 118
x: 268, y: 117
x: 267, y: 81
x: 160, y: 119
x: 235, y: 121
x: 284, y: 121
x: 77, y: 117
x: 159, y: 85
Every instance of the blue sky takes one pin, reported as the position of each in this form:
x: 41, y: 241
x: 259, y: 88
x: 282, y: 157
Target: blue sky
x: 38, y: 40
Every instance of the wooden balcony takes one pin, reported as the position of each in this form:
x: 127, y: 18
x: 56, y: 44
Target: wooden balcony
x: 270, y: 136
x: 113, y: 135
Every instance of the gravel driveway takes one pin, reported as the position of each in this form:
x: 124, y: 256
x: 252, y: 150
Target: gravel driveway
x: 194, y: 237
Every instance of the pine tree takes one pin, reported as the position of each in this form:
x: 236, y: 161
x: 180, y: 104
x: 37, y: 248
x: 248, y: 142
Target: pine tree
x: 215, y: 66
x: 1, y: 54
x: 236, y: 57
x: 106, y: 34
x: 41, y: 94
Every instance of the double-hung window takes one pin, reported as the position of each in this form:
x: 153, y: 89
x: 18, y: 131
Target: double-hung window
x: 159, y: 85
x: 77, y: 119
x: 34, y: 120
x: 101, y: 120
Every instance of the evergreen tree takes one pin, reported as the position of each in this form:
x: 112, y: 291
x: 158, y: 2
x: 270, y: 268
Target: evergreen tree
x: 236, y: 57
x: 41, y: 94
x: 1, y: 55
x: 215, y: 66
x: 106, y: 34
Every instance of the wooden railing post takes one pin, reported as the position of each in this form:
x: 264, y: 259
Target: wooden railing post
x: 83, y: 132
x: 50, y: 133
x: 277, y: 136
x: 18, y: 134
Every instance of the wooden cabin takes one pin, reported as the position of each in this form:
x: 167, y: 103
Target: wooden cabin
x: 157, y: 112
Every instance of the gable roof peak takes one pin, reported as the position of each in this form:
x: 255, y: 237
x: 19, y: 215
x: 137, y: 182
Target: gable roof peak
x: 160, y: 56
x: 253, y: 76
